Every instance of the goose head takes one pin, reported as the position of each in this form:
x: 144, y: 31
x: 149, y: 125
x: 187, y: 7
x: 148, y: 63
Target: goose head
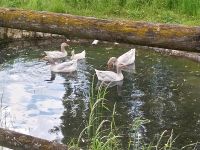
x: 49, y: 60
x: 111, y: 62
x: 63, y: 45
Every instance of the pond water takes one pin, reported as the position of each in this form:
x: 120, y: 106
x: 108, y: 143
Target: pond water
x: 163, y: 89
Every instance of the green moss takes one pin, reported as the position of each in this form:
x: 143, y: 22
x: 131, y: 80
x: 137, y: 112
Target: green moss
x: 164, y: 11
x: 138, y: 28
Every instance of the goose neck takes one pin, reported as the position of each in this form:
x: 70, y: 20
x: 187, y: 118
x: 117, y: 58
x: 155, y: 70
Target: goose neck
x: 119, y: 70
x: 63, y: 49
x: 72, y: 53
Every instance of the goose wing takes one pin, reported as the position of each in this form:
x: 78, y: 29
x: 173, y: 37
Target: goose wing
x: 127, y: 58
x: 55, y: 54
x: 79, y: 55
x: 83, y: 53
x: 65, y: 65
x: 106, y: 75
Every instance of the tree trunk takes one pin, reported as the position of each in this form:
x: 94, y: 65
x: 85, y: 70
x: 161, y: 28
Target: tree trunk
x: 140, y: 33
x: 15, y: 140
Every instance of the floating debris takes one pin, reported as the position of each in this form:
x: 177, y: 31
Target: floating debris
x: 95, y: 42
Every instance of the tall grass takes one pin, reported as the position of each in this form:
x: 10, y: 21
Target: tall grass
x: 101, y: 132
x: 189, y: 7
x: 6, y: 119
x: 172, y: 11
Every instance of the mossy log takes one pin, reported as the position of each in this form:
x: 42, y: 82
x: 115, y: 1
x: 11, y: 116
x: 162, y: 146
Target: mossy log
x: 15, y: 140
x: 140, y: 33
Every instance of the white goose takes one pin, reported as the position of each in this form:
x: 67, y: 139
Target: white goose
x: 57, y: 54
x: 110, y: 76
x: 78, y: 56
x: 125, y: 59
x: 69, y: 66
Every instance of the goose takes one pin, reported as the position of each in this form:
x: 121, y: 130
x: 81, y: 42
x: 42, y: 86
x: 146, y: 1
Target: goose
x: 78, y: 56
x: 69, y: 66
x: 125, y: 59
x: 57, y: 54
x: 110, y: 76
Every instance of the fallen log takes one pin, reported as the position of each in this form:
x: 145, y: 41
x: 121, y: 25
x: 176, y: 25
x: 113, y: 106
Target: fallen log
x: 15, y: 140
x: 140, y: 33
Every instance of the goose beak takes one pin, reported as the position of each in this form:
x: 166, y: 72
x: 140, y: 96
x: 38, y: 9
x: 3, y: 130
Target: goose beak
x: 45, y: 58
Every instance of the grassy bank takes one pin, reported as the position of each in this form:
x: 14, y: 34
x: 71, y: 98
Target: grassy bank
x: 165, y: 11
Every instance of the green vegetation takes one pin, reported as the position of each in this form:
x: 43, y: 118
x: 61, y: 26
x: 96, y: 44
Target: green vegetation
x: 101, y: 132
x: 166, y: 11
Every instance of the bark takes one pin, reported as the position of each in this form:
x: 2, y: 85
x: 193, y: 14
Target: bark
x: 140, y: 33
x: 15, y: 140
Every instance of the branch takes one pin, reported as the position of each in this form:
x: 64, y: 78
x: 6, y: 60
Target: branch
x: 12, y: 139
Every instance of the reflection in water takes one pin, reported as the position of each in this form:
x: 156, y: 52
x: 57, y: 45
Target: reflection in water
x: 110, y: 84
x: 55, y: 106
x: 33, y: 105
x: 75, y: 101
x: 53, y: 76
x: 64, y: 75
x: 129, y: 68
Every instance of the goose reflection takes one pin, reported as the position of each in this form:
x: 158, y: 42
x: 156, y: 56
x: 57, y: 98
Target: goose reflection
x: 129, y: 68
x: 71, y: 75
x: 110, y: 85
x: 75, y: 101
x: 53, y: 77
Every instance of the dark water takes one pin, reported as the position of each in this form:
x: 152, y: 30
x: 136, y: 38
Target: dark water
x: 163, y: 89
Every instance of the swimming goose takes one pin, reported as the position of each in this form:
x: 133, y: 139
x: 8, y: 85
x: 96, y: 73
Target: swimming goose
x: 57, y: 54
x: 69, y: 66
x: 110, y: 76
x: 78, y: 56
x: 125, y: 59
